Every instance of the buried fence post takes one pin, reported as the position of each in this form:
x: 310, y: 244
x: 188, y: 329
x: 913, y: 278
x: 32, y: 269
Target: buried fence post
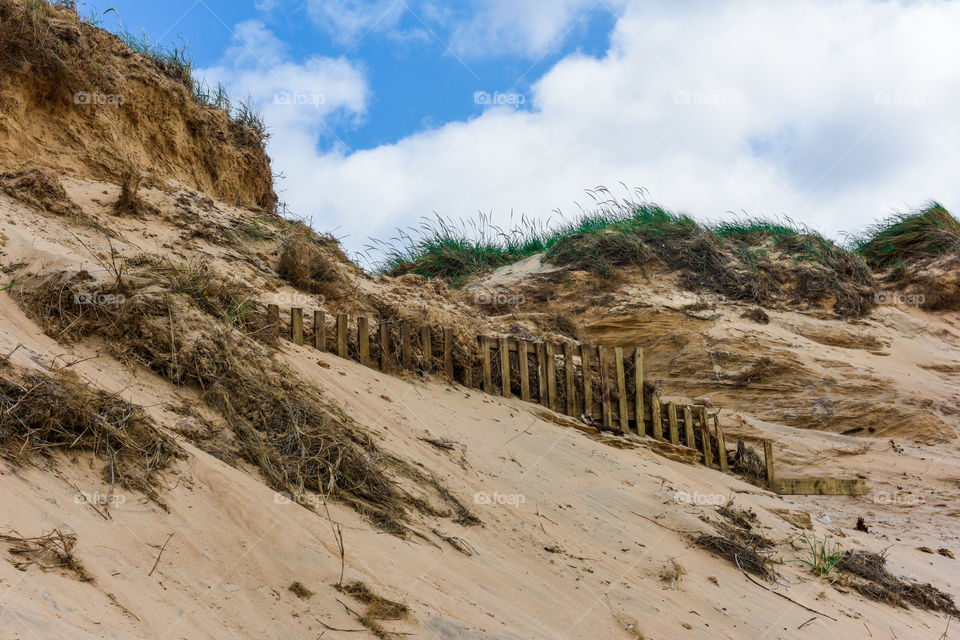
x: 384, y: 346
x: 672, y: 420
x: 569, y: 380
x: 406, y: 359
x: 586, y: 372
x: 688, y: 427
x: 655, y: 418
x: 705, y: 435
x: 448, y: 353
x: 542, y: 373
x: 768, y: 459
x: 522, y: 348
x: 604, y: 386
x: 342, y: 350
x: 621, y: 390
x: 320, y: 330
x: 485, y: 360
x: 638, y: 390
x: 273, y: 317
x: 296, y: 325
x: 551, y: 375
x: 504, y: 367
x: 426, y: 349
x: 363, y: 340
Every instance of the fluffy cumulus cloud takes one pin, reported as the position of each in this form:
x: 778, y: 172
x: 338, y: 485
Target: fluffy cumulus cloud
x: 829, y: 112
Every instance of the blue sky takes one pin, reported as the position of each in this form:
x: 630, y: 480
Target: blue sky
x: 418, y: 80
x: 381, y: 112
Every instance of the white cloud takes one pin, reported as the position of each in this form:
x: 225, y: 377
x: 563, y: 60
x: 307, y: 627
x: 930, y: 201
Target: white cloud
x: 298, y: 100
x: 830, y: 112
x: 348, y: 20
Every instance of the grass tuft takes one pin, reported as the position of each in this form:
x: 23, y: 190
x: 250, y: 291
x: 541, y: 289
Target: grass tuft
x: 925, y: 233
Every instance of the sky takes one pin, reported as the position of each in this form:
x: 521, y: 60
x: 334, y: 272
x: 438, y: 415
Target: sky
x: 384, y: 112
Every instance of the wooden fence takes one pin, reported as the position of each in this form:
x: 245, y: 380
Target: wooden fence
x: 602, y: 384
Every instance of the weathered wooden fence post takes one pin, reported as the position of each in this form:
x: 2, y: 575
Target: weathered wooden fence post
x: 586, y: 372
x: 570, y: 387
x: 768, y: 460
x: 688, y: 427
x: 296, y: 325
x: 363, y: 340
x: 406, y: 351
x: 320, y: 330
x: 504, y: 367
x: 385, y: 346
x: 551, y: 375
x: 604, y: 359
x: 672, y: 421
x: 621, y: 390
x: 522, y: 351
x: 705, y: 434
x: 485, y: 363
x: 273, y: 317
x: 448, y: 353
x: 638, y: 390
x: 655, y: 416
x: 426, y: 349
x: 542, y: 373
x: 342, y: 350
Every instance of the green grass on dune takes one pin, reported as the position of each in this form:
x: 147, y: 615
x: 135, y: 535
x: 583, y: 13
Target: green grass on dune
x: 927, y: 232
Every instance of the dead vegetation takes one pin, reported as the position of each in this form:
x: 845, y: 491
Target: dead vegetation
x: 129, y: 202
x: 300, y: 591
x: 313, y: 263
x: 740, y: 542
x: 748, y: 463
x: 50, y: 552
x: 198, y: 329
x: 41, y: 413
x: 40, y: 190
x: 879, y: 584
x: 378, y: 608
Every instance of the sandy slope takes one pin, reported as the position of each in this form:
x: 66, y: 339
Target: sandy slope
x: 583, y: 527
x: 235, y: 550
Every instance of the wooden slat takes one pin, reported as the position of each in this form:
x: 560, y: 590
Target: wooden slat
x: 586, y: 371
x: 385, y: 346
x: 426, y: 349
x: 569, y: 379
x: 363, y: 340
x: 504, y: 369
x: 273, y: 317
x: 656, y: 422
x: 705, y: 436
x: 542, y: 373
x: 320, y: 330
x: 448, y: 353
x: 296, y: 325
x: 523, y: 348
x: 604, y: 386
x: 342, y: 335
x: 485, y: 361
x: 551, y: 374
x: 638, y: 390
x: 406, y: 350
x: 820, y: 486
x: 621, y: 389
x: 768, y: 461
x: 721, y: 448
x: 672, y: 423
x: 688, y: 434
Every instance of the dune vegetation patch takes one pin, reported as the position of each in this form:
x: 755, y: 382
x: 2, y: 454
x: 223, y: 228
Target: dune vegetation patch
x: 196, y: 328
x: 43, y: 413
x: 765, y: 262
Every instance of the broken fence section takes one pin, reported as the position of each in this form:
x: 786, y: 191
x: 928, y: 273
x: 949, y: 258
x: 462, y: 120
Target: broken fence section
x: 603, y: 385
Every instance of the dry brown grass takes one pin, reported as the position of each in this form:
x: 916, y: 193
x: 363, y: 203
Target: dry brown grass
x: 50, y: 552
x: 198, y: 329
x: 41, y: 413
x: 879, y: 584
